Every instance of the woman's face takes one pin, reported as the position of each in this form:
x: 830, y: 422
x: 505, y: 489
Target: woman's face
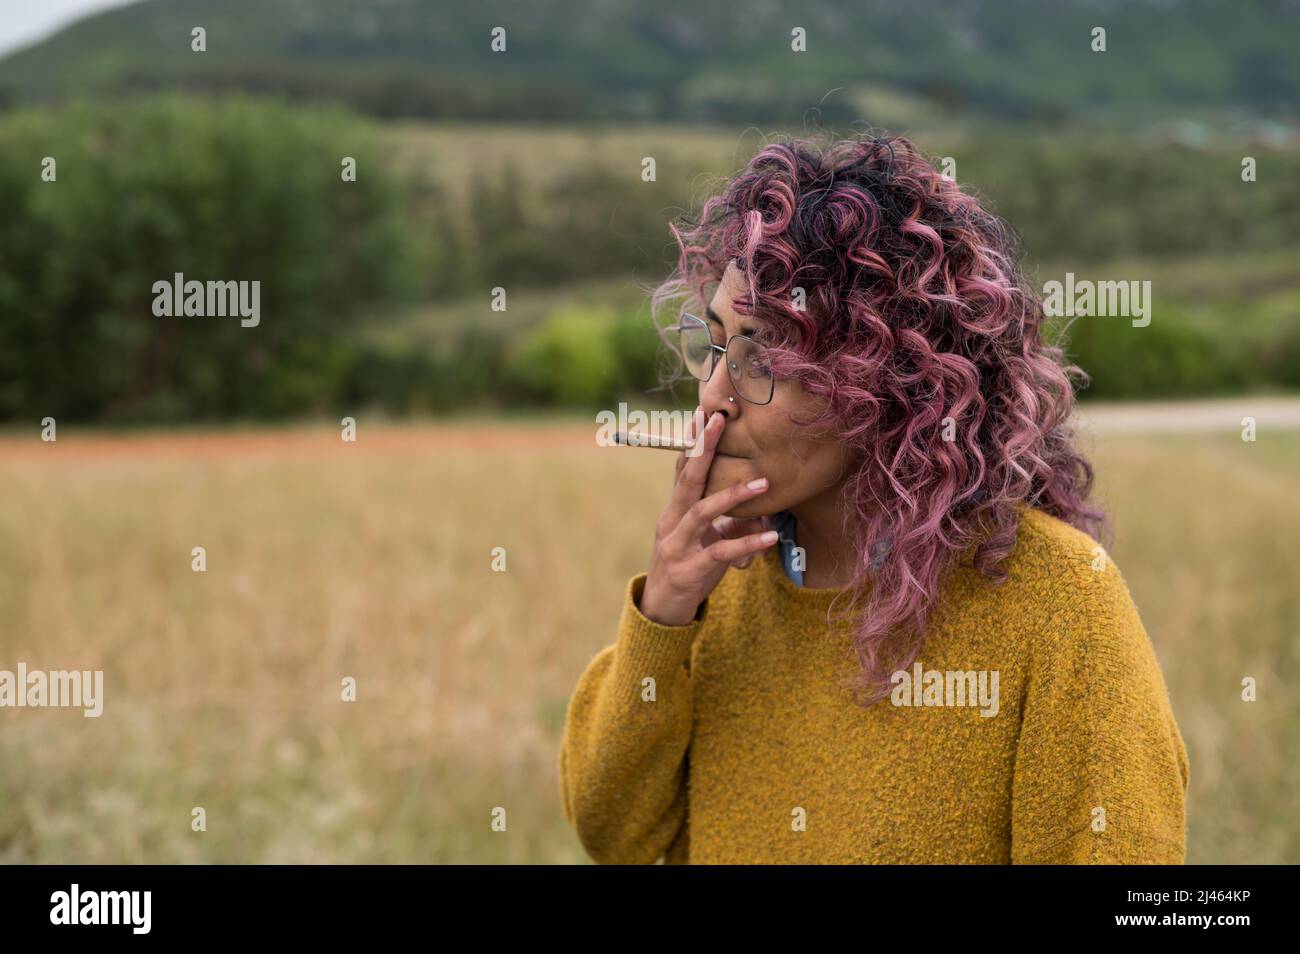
x: 761, y: 440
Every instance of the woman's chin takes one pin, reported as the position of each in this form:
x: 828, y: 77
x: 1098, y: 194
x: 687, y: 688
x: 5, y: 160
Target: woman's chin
x: 726, y: 472
x: 750, y: 508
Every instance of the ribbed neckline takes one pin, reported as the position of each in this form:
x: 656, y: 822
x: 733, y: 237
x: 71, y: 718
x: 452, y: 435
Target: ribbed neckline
x: 771, y: 566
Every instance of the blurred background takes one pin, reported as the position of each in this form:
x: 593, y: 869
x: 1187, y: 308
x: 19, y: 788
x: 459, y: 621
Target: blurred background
x: 522, y: 170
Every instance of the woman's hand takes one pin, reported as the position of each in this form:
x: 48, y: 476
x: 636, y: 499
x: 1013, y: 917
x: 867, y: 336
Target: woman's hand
x: 694, y: 541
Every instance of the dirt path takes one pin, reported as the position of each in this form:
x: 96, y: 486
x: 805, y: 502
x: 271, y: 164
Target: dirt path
x: 74, y: 444
x: 1191, y: 417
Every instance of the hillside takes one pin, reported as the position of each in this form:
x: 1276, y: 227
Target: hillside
x: 680, y: 59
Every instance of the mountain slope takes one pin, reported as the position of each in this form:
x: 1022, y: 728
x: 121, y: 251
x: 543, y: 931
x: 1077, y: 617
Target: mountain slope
x: 684, y: 59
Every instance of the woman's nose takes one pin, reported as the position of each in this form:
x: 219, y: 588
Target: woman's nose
x: 717, y: 393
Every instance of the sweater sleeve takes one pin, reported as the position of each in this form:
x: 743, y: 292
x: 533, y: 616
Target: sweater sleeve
x: 624, y: 747
x: 1101, y: 769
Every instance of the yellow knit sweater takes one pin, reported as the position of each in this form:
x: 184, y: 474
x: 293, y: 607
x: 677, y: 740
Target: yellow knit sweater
x: 730, y: 741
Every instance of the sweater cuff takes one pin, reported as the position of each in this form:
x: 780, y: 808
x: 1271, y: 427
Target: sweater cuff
x: 649, y: 647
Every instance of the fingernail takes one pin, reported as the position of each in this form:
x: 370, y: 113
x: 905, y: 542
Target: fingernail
x: 769, y: 537
x: 757, y: 484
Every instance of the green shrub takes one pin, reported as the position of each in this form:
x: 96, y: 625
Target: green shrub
x: 1171, y: 357
x: 568, y: 361
x: 584, y: 357
x: 230, y: 190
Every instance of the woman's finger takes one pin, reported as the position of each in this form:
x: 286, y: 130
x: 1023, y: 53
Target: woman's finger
x: 695, y: 472
x: 725, y: 528
x: 692, y: 426
x: 731, y: 527
x: 728, y: 551
x: 700, y: 514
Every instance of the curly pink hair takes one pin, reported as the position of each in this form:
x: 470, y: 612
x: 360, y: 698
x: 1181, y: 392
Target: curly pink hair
x: 916, y: 325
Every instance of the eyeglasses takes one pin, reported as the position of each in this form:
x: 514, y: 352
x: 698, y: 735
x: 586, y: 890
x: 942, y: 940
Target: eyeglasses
x: 750, y: 373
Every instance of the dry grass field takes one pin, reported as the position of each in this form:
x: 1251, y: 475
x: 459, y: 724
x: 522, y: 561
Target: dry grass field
x: 373, y: 560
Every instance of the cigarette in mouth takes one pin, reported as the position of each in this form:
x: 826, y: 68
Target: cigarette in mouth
x: 634, y: 439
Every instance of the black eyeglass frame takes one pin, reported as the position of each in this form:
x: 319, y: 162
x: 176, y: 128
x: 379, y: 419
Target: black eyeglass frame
x: 714, y: 350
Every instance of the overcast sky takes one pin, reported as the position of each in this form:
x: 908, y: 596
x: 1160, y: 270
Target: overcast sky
x: 23, y: 22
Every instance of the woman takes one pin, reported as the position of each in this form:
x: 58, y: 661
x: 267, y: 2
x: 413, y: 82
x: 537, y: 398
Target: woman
x: 939, y: 664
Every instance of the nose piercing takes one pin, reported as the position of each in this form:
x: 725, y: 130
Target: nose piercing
x: 732, y: 400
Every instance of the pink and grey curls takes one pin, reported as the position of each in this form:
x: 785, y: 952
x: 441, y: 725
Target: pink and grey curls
x: 895, y: 296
